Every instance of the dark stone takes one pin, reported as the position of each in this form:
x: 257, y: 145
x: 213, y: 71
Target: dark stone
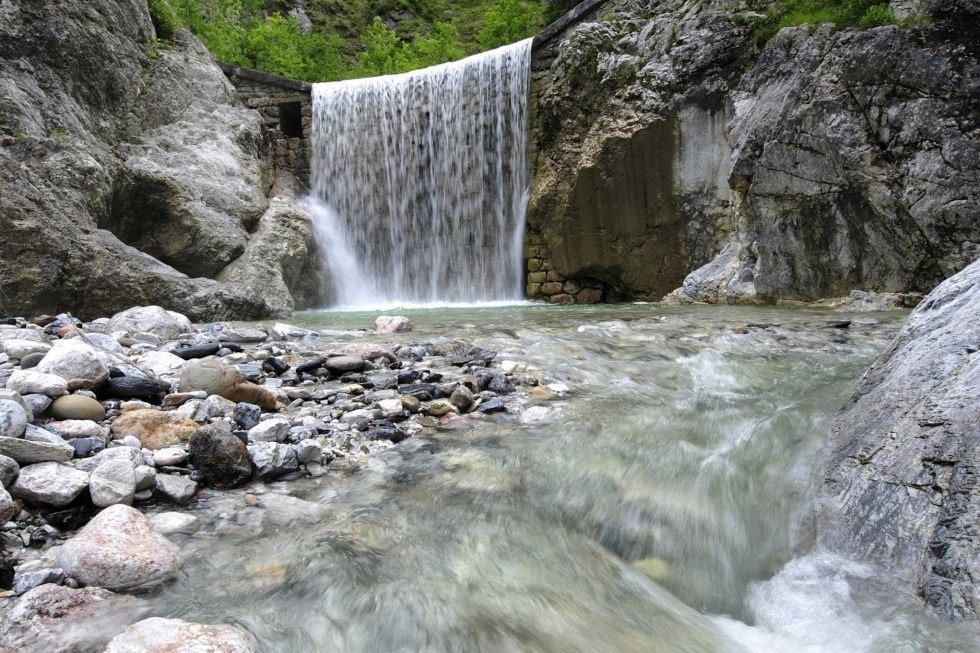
x: 421, y: 391
x: 310, y: 365
x: 233, y: 347
x: 246, y: 415
x: 357, y: 378
x: 492, y: 406
x: 221, y: 457
x: 71, y: 519
x: 387, y: 433
x: 37, y: 538
x: 85, y: 447
x: 31, y: 360
x: 134, y: 387
x: 409, y: 376
x: 494, y: 381
x: 839, y: 324
x: 197, y: 351
x: 274, y: 366
x: 6, y: 574
x: 115, y: 372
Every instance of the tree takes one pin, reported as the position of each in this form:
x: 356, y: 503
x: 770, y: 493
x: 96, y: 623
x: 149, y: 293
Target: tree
x: 511, y: 20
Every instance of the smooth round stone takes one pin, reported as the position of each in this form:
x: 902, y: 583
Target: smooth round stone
x: 31, y: 360
x: 131, y: 441
x: 170, y: 456
x: 77, y: 407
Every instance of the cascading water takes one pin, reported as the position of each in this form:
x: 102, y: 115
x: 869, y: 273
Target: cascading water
x: 420, y: 182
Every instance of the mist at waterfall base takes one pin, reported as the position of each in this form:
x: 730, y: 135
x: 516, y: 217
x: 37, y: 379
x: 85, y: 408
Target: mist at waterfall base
x: 420, y: 183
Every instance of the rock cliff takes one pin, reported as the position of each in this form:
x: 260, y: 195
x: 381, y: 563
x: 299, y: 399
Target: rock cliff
x: 901, y: 487
x: 131, y: 173
x: 673, y: 150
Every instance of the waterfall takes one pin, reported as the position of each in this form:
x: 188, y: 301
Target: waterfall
x: 420, y: 182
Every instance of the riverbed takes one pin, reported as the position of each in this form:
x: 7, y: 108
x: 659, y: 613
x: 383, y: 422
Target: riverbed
x: 657, y: 503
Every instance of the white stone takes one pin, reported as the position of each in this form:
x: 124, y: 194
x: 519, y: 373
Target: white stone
x: 70, y: 429
x: 112, y: 482
x: 161, y: 363
x: 165, y: 324
x: 178, y: 489
x: 38, y: 403
x: 271, y: 430
x: 75, y: 362
x: 158, y: 635
x: 146, y: 478
x: 391, y: 405
x: 174, y: 523
x: 51, y: 484
x: 20, y: 348
x: 287, y: 331
x: 511, y: 367
x: 29, y: 382
x: 308, y: 451
x: 37, y: 434
x: 30, y: 333
x: 27, y: 452
x: 119, y: 550
x: 170, y: 456
x: 272, y: 459
x: 7, y: 507
x: 13, y: 419
x: 393, y: 324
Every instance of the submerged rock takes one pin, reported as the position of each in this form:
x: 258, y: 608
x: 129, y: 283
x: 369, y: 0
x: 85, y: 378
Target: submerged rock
x: 175, y: 636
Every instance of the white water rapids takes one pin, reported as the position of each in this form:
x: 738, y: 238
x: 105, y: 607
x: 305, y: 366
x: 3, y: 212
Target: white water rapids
x: 420, y: 182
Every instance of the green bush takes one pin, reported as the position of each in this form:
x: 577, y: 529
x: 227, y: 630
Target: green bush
x: 509, y: 21
x: 842, y: 13
x: 165, y: 21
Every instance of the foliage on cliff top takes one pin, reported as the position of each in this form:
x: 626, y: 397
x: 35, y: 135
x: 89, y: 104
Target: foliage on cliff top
x: 843, y: 13
x: 353, y: 38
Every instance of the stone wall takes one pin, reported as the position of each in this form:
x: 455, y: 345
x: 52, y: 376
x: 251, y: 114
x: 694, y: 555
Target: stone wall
x: 287, y: 110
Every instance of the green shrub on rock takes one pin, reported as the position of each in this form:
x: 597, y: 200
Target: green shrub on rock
x: 164, y: 18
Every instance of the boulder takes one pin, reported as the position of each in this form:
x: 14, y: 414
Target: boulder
x: 8, y: 470
x: 900, y: 488
x: 167, y: 325
x: 221, y: 457
x: 28, y: 382
x: 174, y: 488
x: 13, y: 419
x: 20, y: 349
x: 76, y: 362
x: 26, y: 452
x: 112, y: 482
x: 49, y: 484
x: 272, y: 460
x: 218, y: 378
x: 175, y: 636
x: 392, y: 324
x: 155, y: 429
x: 271, y: 430
x: 77, y: 407
x: 160, y: 363
x: 119, y: 550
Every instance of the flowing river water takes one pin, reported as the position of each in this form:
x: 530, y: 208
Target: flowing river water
x: 657, y: 504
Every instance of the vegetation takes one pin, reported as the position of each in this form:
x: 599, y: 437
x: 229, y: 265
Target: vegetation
x: 843, y: 13
x: 349, y: 38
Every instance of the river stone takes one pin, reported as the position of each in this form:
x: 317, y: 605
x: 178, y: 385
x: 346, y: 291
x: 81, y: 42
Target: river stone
x: 31, y: 361
x: 462, y: 398
x: 38, y: 403
x: 160, y: 363
x: 76, y: 362
x: 180, y: 398
x: 31, y: 579
x: 197, y: 351
x: 134, y: 387
x: 344, y: 364
x: 28, y: 382
x: 164, y: 324
x: 119, y: 550
x: 392, y: 324
x: 13, y: 419
x: 58, y: 619
x: 77, y: 407
x: 158, y: 635
x: 49, y: 484
x: 26, y: 452
x: 272, y: 460
x: 155, y: 429
x: 85, y: 447
x: 174, y: 488
x: 175, y: 523
x: 221, y: 457
x: 146, y: 478
x: 29, y: 334
x: 170, y: 456
x: 216, y: 377
x: 70, y: 429
x: 8, y: 470
x: 37, y: 434
x: 440, y: 407
x: 246, y: 415
x: 133, y: 456
x: 20, y: 349
x: 271, y: 430
x: 112, y: 482
x: 7, y: 506
x: 288, y: 331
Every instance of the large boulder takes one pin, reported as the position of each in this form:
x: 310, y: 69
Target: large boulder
x: 158, y: 635
x: 155, y: 429
x: 49, y: 484
x: 120, y: 550
x: 76, y: 362
x: 216, y: 377
x: 150, y: 319
x: 901, y: 488
x: 280, y: 262
x: 221, y: 457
